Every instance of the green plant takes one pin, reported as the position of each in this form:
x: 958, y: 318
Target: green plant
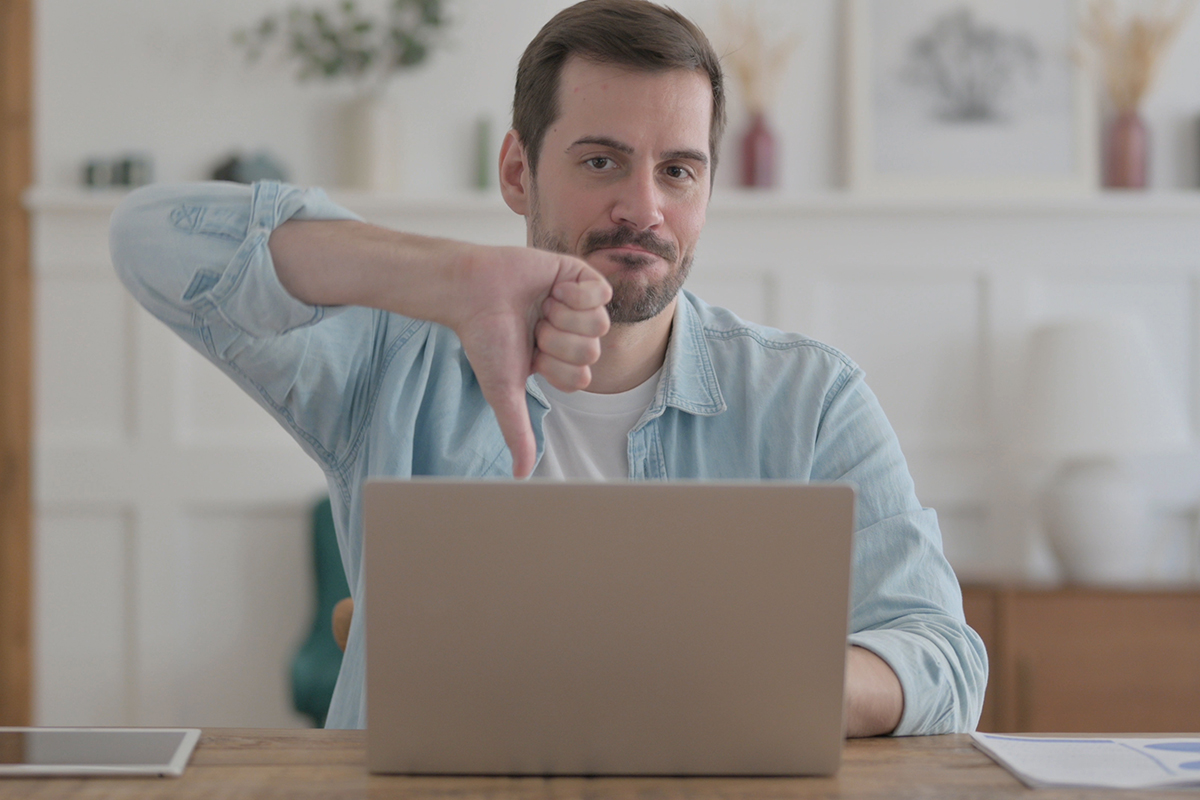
x: 347, y: 42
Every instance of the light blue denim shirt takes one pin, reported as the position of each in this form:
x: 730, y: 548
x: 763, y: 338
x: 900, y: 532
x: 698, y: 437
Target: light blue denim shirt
x: 369, y: 393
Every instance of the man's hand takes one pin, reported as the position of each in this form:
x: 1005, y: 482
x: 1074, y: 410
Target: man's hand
x: 516, y: 310
x: 874, y: 697
x: 527, y: 311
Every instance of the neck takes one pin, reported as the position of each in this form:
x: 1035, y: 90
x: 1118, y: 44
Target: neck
x: 631, y: 353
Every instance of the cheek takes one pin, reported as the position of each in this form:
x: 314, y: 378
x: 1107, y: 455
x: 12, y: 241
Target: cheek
x: 570, y: 208
x: 689, y: 223
x: 583, y: 214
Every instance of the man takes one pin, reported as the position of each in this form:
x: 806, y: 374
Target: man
x: 391, y: 354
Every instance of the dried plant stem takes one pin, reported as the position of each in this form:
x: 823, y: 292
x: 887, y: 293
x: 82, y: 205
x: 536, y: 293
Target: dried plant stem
x: 1130, y: 53
x: 756, y: 64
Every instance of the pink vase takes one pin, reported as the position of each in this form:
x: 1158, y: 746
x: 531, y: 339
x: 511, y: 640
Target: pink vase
x: 1126, y: 159
x: 758, y: 154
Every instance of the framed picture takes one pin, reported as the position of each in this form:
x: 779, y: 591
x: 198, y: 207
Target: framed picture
x: 969, y: 97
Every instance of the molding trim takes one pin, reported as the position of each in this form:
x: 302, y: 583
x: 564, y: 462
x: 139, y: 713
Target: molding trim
x: 726, y: 202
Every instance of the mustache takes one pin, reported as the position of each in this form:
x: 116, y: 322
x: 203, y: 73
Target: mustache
x: 623, y: 237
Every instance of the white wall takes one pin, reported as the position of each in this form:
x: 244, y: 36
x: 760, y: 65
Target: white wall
x: 179, y: 540
x: 162, y: 76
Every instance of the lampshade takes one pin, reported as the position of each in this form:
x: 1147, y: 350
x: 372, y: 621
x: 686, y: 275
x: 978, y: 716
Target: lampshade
x: 1097, y: 389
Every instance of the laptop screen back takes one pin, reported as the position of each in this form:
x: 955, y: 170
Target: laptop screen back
x: 606, y: 628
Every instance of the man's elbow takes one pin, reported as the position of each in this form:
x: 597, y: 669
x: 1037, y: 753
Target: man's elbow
x: 159, y: 246
x: 131, y: 235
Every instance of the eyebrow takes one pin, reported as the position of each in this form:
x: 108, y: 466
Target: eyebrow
x: 686, y: 155
x: 621, y: 147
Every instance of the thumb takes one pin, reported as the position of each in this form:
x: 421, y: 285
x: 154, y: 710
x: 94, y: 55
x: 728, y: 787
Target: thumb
x: 586, y: 280
x: 512, y: 412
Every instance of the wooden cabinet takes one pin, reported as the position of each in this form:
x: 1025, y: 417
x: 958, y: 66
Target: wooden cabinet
x: 1083, y: 659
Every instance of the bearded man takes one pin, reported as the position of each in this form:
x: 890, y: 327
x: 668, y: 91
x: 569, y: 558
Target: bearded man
x: 390, y: 354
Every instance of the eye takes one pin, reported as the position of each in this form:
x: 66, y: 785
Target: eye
x: 678, y: 173
x: 600, y: 162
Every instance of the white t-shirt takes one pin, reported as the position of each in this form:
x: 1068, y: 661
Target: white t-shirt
x: 587, y: 434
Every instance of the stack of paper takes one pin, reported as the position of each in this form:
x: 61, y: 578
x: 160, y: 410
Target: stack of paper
x: 1109, y: 763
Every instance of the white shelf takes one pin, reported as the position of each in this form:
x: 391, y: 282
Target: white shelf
x: 725, y: 202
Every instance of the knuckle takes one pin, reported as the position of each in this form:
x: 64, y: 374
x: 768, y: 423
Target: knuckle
x: 601, y: 322
x: 579, y: 378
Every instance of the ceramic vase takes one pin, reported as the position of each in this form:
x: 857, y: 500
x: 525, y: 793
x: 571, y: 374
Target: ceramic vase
x: 1126, y: 161
x: 374, y: 134
x: 759, y: 165
x: 1096, y: 523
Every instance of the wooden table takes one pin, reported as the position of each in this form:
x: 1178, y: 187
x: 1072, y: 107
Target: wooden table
x: 243, y: 763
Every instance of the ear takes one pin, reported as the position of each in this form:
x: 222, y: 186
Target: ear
x: 515, y: 174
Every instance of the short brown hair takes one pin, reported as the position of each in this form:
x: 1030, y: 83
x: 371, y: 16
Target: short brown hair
x: 632, y: 33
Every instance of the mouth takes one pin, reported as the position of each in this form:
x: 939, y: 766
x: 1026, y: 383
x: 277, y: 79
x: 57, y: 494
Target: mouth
x: 626, y: 250
x: 630, y: 248
x: 628, y: 257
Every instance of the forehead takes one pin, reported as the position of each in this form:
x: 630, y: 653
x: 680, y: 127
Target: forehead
x: 670, y: 109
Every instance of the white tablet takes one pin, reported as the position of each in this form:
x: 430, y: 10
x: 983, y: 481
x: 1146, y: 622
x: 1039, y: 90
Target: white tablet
x: 96, y: 752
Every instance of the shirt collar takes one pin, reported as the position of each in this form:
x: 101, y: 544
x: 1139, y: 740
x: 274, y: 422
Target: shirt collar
x: 689, y: 381
x: 534, y: 390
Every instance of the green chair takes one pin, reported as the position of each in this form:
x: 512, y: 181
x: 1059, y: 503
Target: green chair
x: 315, y: 667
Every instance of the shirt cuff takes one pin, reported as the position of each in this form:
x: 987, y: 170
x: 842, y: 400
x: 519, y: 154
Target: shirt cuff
x: 249, y: 295
x: 928, y: 707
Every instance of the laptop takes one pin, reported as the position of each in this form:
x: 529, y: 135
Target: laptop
x: 551, y: 628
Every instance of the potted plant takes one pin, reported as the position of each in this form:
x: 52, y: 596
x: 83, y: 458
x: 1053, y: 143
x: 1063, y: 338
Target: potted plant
x: 757, y: 63
x: 1128, y: 55
x: 343, y: 42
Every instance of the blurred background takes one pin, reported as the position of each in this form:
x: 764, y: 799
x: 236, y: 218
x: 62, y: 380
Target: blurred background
x: 172, y: 555
x: 167, y: 80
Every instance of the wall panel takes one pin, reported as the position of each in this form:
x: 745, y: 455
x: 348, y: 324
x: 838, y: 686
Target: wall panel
x: 213, y: 410
x: 247, y: 599
x: 82, y: 385
x: 1174, y: 556
x: 964, y: 538
x: 936, y: 299
x: 919, y: 338
x: 747, y: 296
x: 1163, y: 303
x: 82, y: 617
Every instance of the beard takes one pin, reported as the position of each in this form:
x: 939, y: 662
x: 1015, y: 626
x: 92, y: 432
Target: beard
x: 634, y: 298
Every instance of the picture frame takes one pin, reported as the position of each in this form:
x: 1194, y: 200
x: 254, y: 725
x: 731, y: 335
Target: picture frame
x: 969, y: 97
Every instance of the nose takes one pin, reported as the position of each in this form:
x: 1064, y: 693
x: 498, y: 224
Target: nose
x: 639, y: 202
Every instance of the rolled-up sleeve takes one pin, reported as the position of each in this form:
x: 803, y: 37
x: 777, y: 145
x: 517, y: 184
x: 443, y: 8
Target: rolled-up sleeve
x: 197, y: 248
x: 197, y: 257
x: 906, y: 604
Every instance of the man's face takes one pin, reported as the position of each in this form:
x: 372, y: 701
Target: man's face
x: 623, y: 180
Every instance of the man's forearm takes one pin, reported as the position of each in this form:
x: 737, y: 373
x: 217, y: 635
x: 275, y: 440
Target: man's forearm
x: 874, y: 697
x: 344, y: 262
x: 516, y: 310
